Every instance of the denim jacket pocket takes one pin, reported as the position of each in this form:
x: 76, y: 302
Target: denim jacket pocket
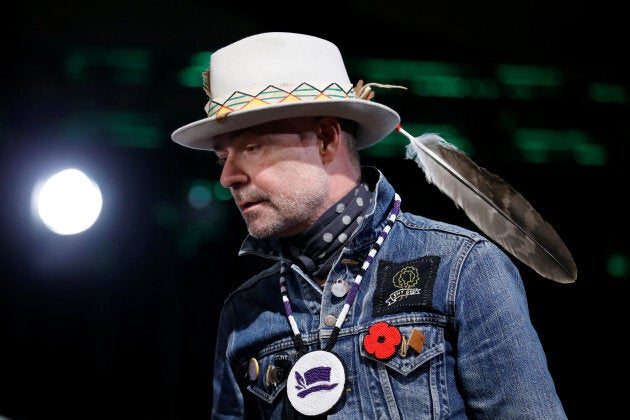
x: 273, y: 370
x: 407, y: 359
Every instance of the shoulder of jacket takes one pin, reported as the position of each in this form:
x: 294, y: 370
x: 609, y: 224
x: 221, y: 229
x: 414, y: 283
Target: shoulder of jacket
x: 417, y: 222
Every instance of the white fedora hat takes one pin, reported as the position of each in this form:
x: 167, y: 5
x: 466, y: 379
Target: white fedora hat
x: 279, y: 75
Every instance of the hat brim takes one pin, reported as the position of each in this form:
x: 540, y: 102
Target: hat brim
x: 375, y: 120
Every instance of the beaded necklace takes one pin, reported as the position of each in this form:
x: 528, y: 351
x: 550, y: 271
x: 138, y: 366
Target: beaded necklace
x: 317, y: 379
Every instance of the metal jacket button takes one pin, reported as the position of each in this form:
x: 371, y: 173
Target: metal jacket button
x: 339, y: 288
x: 330, y: 320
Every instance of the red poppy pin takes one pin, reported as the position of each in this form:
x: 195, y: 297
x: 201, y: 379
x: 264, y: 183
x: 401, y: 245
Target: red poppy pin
x: 382, y: 340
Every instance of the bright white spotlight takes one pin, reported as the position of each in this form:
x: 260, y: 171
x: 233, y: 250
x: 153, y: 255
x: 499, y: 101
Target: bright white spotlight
x: 68, y: 202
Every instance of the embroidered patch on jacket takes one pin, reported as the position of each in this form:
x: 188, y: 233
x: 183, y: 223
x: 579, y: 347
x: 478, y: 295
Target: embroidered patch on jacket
x: 405, y: 286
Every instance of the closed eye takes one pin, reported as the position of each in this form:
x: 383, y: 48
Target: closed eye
x: 252, y: 148
x: 221, y: 158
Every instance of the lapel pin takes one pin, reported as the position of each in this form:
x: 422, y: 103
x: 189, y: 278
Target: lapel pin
x: 382, y: 340
x: 253, y: 369
x: 416, y: 340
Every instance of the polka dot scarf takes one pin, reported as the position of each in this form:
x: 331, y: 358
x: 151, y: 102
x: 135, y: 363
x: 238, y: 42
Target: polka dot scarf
x: 316, y: 248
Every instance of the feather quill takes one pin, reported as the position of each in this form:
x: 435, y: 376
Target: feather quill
x: 494, y: 206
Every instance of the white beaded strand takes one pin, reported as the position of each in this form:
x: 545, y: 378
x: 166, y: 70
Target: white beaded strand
x: 353, y: 290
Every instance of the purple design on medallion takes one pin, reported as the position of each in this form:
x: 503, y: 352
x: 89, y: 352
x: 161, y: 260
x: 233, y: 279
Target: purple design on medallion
x: 313, y: 377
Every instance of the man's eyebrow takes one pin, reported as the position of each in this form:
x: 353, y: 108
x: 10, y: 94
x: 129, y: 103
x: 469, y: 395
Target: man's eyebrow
x: 221, y: 144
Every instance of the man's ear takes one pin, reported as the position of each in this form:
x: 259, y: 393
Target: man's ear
x: 329, y: 134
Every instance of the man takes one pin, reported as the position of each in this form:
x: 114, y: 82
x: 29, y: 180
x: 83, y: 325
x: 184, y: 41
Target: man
x: 366, y: 311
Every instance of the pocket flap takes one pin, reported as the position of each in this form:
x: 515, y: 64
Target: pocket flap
x: 405, y: 362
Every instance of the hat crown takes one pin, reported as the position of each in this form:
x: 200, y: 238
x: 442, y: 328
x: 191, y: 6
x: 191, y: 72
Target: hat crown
x: 275, y: 59
x: 276, y: 75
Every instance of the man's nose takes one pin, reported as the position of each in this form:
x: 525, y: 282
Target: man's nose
x: 233, y: 173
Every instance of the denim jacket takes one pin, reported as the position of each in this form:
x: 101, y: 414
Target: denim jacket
x: 481, y: 357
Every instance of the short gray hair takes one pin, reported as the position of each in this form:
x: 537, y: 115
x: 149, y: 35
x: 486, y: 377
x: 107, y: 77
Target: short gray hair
x: 349, y: 131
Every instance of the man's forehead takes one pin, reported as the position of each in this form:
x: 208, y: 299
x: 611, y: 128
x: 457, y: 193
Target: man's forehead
x: 296, y: 123
x: 286, y: 125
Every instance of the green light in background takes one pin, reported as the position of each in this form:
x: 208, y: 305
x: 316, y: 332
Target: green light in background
x: 126, y: 129
x: 130, y: 129
x: 201, y: 59
x: 485, y: 88
x: 76, y: 64
x: 200, y: 194
x: 442, y: 86
x: 521, y: 92
x: 191, y: 76
x: 426, y: 78
x: 538, y: 145
x: 590, y: 154
x: 404, y: 69
x: 191, y: 237
x: 203, y: 191
x: 221, y: 192
x: 191, y: 228
x: 529, y: 75
x: 529, y: 82
x: 165, y: 214
x: 395, y: 144
x: 608, y: 93
x: 129, y: 66
x: 618, y: 266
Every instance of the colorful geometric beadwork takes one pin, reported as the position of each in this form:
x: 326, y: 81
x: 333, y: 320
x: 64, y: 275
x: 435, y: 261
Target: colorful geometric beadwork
x: 274, y: 95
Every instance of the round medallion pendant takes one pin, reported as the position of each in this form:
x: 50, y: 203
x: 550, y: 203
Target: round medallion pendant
x: 316, y: 382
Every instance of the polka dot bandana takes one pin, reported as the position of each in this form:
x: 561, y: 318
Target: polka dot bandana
x: 316, y: 248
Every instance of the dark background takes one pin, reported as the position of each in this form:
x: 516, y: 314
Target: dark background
x: 119, y: 322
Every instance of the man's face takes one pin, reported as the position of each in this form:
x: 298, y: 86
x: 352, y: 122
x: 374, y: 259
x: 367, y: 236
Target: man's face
x: 276, y: 176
